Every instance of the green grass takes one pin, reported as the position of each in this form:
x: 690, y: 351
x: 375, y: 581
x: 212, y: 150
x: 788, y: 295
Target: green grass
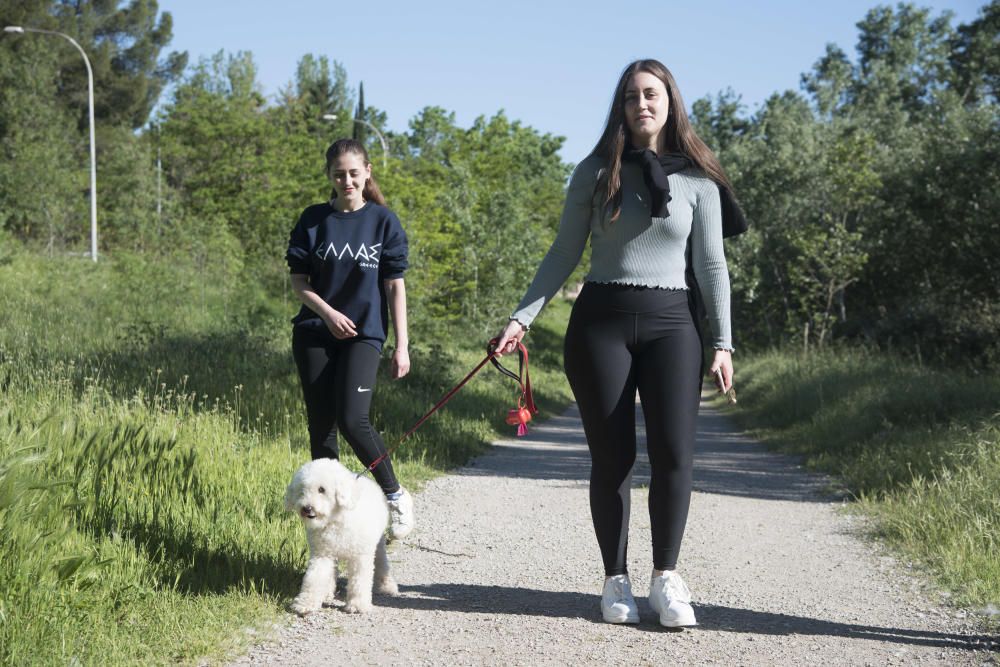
x: 918, y: 448
x: 150, y: 418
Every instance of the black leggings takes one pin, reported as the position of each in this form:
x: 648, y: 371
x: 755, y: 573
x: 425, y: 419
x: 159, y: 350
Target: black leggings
x: 621, y: 339
x: 338, y: 379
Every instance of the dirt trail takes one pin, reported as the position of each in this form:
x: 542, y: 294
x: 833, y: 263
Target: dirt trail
x: 504, y: 568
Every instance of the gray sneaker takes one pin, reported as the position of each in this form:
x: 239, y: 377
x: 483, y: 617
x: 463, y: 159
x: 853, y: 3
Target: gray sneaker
x: 401, y: 515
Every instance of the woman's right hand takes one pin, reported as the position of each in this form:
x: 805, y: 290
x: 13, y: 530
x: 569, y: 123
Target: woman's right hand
x: 508, y: 339
x: 340, y: 325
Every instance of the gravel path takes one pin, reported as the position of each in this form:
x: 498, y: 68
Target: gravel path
x: 504, y: 568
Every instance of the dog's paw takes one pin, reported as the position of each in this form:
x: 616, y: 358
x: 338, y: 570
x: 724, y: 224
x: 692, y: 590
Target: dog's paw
x: 300, y: 608
x: 387, y: 586
x: 358, y: 606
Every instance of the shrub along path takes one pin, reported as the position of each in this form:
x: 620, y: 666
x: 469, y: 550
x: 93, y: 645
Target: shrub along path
x: 504, y: 568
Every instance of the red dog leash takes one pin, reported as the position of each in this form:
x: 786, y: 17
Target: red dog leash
x: 518, y: 416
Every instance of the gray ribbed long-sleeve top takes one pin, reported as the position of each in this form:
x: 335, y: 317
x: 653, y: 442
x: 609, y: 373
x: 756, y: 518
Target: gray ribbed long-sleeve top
x: 638, y: 249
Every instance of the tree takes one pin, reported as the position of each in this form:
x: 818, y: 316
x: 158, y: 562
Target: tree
x: 481, y: 206
x: 44, y: 110
x: 235, y: 168
x: 433, y: 135
x: 975, y: 58
x: 43, y: 179
x: 830, y: 82
x: 902, y: 57
x: 320, y: 88
x: 360, y: 131
x: 124, y: 46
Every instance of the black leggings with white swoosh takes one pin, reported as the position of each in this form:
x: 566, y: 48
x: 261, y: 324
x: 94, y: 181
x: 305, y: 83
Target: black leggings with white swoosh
x: 338, y: 380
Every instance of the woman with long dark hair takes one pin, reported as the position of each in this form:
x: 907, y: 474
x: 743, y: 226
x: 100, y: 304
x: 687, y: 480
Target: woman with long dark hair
x: 347, y: 257
x: 651, y: 197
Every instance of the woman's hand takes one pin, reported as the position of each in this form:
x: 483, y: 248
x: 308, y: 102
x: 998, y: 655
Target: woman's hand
x: 723, y: 360
x: 508, y: 339
x: 340, y: 325
x: 400, y: 365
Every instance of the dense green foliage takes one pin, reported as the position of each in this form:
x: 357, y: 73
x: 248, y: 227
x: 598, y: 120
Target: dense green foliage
x: 44, y: 181
x: 919, y: 447
x: 871, y: 194
x: 874, y: 195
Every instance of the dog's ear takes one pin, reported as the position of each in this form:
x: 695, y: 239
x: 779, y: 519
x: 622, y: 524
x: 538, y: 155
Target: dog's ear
x: 345, y: 495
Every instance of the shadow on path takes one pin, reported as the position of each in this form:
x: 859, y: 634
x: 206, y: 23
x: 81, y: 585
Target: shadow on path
x: 478, y: 599
x: 726, y: 462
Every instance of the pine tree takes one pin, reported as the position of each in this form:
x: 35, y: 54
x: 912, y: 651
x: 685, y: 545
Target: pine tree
x: 360, y: 131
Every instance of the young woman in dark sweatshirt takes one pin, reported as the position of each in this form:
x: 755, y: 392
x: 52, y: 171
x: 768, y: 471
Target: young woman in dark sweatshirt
x: 347, y: 257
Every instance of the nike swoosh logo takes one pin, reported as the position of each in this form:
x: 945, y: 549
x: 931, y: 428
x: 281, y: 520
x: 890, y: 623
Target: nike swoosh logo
x: 360, y: 389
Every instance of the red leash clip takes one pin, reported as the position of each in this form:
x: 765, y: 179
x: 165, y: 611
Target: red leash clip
x: 521, y: 415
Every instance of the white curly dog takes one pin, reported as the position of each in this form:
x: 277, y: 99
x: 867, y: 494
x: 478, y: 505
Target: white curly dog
x: 345, y: 517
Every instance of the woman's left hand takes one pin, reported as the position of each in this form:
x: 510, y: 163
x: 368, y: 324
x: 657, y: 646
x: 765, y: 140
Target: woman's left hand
x: 400, y: 364
x: 723, y: 360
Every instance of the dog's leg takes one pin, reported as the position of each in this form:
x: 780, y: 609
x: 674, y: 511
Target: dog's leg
x: 315, y: 586
x: 331, y: 596
x: 384, y: 583
x: 360, y: 573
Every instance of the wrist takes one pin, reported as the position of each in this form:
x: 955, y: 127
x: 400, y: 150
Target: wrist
x: 524, y: 327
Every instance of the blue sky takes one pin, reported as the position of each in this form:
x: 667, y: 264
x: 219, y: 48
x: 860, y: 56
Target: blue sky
x: 551, y: 65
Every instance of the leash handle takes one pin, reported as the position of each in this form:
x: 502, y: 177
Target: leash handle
x: 523, y: 378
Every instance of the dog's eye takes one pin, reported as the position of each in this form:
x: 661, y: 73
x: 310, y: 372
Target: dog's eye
x: 322, y: 490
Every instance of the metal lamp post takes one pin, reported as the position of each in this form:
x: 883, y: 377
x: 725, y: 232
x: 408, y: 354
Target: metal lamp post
x: 93, y: 145
x: 381, y: 138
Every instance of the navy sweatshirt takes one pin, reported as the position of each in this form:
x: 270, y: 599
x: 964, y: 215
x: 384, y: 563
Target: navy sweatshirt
x: 347, y: 256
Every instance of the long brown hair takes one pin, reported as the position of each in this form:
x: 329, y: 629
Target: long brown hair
x: 680, y: 136
x: 371, y: 191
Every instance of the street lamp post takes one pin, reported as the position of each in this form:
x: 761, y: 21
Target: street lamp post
x: 93, y: 145
x: 381, y: 138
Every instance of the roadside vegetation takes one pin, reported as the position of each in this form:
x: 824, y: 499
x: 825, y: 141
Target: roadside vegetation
x: 143, y: 458
x: 919, y: 448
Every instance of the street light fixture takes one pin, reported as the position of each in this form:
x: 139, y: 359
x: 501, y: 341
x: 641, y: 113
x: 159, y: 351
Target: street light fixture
x: 16, y: 29
x: 381, y: 138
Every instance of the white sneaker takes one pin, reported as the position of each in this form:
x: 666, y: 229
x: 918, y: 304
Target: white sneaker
x: 401, y: 515
x: 670, y: 597
x: 617, y: 603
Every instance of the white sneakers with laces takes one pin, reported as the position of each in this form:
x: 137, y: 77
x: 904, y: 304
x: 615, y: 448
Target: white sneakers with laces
x: 617, y: 603
x: 670, y: 597
x: 400, y: 514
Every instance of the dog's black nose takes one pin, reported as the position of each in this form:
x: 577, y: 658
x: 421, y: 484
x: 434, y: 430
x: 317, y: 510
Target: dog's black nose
x: 308, y: 511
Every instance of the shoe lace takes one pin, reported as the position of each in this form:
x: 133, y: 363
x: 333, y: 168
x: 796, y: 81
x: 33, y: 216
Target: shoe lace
x: 677, y: 589
x: 620, y: 590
